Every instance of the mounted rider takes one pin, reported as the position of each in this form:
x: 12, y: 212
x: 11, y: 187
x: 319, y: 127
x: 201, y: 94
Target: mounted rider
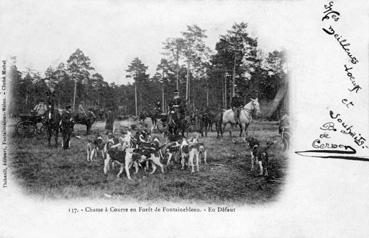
x: 237, y: 104
x: 68, y: 111
x: 81, y: 110
x: 176, y: 106
x: 157, y: 108
x: 50, y: 100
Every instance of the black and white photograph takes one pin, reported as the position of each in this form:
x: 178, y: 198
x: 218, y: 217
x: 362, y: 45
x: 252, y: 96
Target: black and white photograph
x: 242, y: 114
x: 189, y: 117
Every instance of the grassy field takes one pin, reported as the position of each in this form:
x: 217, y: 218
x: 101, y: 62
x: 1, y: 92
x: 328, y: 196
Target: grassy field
x: 55, y: 173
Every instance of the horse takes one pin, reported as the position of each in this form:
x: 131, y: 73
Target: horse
x: 154, y: 116
x: 52, y: 122
x: 218, y: 123
x: 88, y: 118
x: 177, y: 124
x: 212, y: 119
x: 246, y: 113
x: 205, y: 123
x: 142, y: 116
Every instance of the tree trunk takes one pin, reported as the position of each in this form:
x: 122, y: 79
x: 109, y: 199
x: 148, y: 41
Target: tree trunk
x: 136, y: 99
x: 207, y: 93
x: 74, y: 95
x: 162, y: 99
x: 282, y: 91
x: 177, y: 73
x: 233, y: 76
x: 225, y: 92
x: 188, y: 81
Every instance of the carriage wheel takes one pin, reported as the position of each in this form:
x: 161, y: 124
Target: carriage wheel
x: 25, y: 128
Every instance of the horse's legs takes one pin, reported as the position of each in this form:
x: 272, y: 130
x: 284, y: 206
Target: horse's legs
x: 241, y: 129
x: 221, y: 129
x: 230, y: 129
x: 67, y: 143
x: 245, y: 129
x: 88, y: 127
x: 49, y: 133
x: 56, y: 136
x: 206, y: 128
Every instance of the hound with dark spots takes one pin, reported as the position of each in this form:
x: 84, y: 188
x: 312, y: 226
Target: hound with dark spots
x: 260, y: 155
x: 95, y: 147
x: 254, y: 145
x: 184, y: 152
x: 150, y: 153
x: 118, y: 151
x: 172, y: 150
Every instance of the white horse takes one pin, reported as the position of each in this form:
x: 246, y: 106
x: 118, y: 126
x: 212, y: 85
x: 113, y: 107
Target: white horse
x: 246, y: 113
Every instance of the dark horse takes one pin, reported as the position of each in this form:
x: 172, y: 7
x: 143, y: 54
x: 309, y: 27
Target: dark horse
x: 205, y: 122
x: 177, y: 123
x: 86, y: 119
x: 154, y: 115
x: 52, y: 122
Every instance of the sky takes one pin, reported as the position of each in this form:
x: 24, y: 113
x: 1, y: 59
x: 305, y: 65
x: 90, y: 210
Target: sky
x: 112, y: 33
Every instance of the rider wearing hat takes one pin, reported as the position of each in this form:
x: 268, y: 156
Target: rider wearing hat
x: 68, y: 109
x: 176, y: 105
x: 236, y: 105
x: 50, y: 99
x: 81, y: 110
x: 157, y: 108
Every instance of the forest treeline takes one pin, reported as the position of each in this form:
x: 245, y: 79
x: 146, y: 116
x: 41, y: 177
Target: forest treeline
x: 205, y: 78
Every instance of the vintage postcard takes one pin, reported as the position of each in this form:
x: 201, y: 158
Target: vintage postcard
x: 184, y: 118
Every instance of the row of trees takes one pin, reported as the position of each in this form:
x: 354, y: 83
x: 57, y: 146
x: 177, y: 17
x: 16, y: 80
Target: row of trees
x: 204, y: 78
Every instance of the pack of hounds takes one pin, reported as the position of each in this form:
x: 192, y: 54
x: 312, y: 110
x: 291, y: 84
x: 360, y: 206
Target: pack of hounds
x: 146, y: 151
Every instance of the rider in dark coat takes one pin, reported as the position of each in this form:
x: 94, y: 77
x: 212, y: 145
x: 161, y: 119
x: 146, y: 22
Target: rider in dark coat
x: 177, y: 106
x: 50, y: 99
x: 236, y: 105
x: 157, y: 108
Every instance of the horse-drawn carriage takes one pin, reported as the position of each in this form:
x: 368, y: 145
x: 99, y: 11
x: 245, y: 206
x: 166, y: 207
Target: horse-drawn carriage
x: 31, y: 124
